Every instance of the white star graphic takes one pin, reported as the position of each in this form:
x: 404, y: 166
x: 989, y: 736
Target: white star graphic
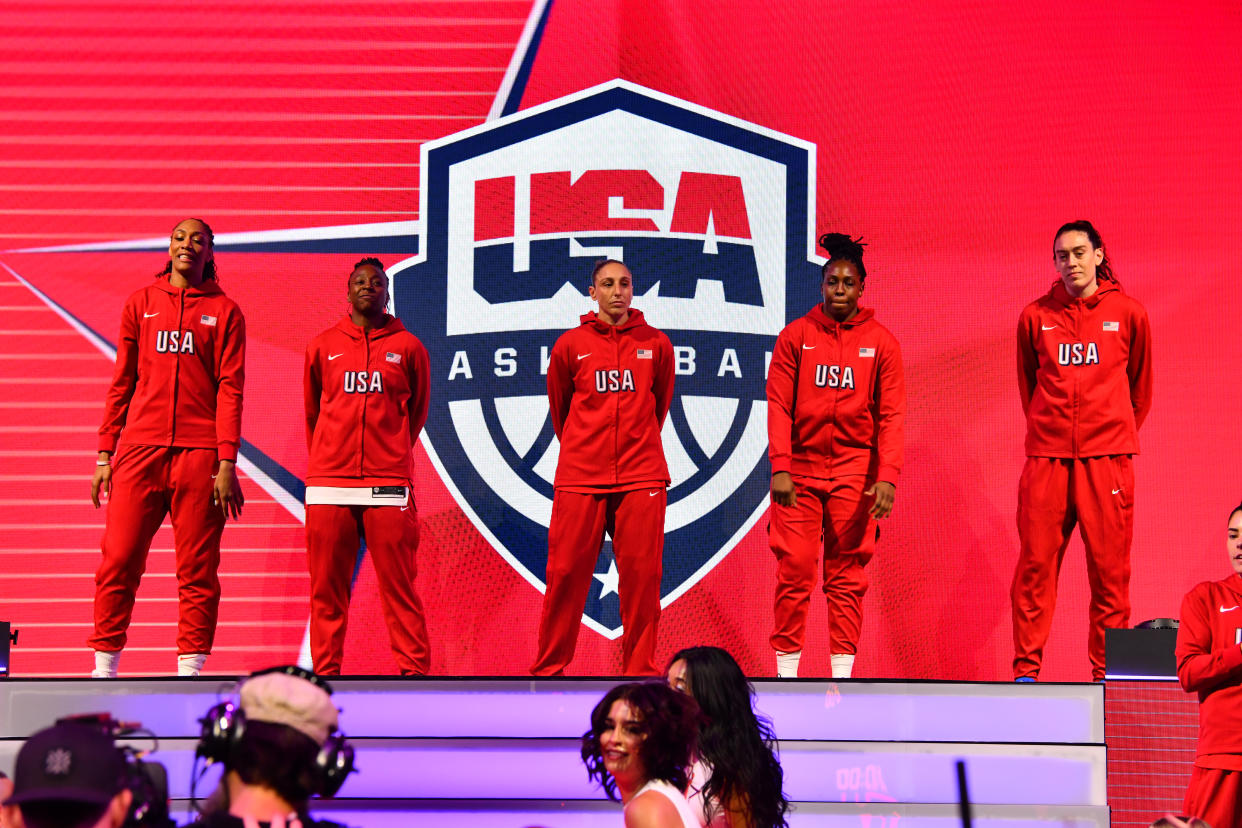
x: 609, y: 579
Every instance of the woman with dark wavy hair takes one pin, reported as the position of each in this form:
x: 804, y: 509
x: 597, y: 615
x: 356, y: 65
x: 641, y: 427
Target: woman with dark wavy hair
x: 736, y: 779
x: 639, y: 748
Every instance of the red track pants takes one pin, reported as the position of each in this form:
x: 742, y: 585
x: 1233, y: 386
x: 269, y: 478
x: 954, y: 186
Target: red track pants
x: 391, y: 533
x: 149, y: 482
x: 831, y: 517
x: 1215, y: 796
x: 1097, y: 494
x: 635, y: 521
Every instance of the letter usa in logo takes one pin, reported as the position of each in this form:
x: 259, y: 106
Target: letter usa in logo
x: 713, y: 217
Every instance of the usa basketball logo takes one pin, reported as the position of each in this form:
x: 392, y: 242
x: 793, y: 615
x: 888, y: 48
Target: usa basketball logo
x: 713, y: 217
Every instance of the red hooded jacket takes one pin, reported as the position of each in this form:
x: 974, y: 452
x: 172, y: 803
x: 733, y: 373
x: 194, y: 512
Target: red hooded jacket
x: 1209, y: 662
x: 609, y: 390
x: 366, y: 403
x: 180, y: 368
x: 1084, y: 370
x: 836, y: 398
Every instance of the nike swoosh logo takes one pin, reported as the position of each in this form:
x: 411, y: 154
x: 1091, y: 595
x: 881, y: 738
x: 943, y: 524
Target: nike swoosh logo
x: 1046, y: 327
x: 808, y: 347
x: 653, y: 494
x: 333, y: 356
x: 584, y: 356
x: 405, y: 508
x: 149, y: 315
x: 1229, y: 609
x: 1116, y: 491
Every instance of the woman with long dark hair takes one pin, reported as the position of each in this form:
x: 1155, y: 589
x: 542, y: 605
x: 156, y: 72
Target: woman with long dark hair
x: 639, y: 748
x: 736, y: 778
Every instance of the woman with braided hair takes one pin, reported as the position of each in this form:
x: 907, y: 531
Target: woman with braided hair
x: 836, y: 415
x: 1084, y: 373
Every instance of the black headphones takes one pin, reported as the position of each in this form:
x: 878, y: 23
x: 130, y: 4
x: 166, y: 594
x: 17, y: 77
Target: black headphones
x: 225, y: 724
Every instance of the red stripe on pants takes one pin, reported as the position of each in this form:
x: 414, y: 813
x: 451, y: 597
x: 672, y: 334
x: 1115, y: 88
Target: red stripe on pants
x: 332, y: 537
x: 1215, y: 796
x: 149, y: 482
x: 635, y: 521
x: 830, y: 518
x: 1054, y: 495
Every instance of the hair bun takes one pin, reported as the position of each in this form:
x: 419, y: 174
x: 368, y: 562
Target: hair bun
x: 840, y: 245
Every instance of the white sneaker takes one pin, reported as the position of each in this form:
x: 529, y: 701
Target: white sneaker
x: 787, y: 664
x: 842, y: 665
x: 106, y: 664
x: 190, y: 664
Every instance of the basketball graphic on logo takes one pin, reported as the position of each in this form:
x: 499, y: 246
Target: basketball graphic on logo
x: 709, y: 214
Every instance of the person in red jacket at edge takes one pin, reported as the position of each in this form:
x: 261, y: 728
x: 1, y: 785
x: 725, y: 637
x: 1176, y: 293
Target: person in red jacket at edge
x: 367, y: 388
x: 836, y: 419
x: 168, y: 444
x: 610, y: 384
x: 1084, y: 370
x: 1209, y: 662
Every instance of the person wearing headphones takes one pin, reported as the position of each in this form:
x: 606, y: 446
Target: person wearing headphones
x: 279, y: 746
x: 68, y: 776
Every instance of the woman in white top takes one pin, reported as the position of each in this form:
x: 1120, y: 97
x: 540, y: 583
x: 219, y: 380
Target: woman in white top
x: 639, y: 747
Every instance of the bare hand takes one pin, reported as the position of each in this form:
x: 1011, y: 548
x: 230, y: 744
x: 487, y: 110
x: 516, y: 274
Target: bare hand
x: 884, y: 494
x: 783, y: 492
x: 102, y: 481
x: 228, y: 494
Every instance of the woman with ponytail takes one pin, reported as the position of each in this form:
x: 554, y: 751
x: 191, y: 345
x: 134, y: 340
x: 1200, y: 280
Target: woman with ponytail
x: 836, y: 415
x: 1084, y: 373
x: 168, y: 445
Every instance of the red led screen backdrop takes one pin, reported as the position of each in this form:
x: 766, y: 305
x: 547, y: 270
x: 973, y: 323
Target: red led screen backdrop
x: 487, y: 151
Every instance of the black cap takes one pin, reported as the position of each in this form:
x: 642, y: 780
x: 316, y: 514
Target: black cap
x: 68, y: 763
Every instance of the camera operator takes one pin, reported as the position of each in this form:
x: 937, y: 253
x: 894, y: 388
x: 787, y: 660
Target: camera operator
x: 279, y: 747
x: 69, y: 776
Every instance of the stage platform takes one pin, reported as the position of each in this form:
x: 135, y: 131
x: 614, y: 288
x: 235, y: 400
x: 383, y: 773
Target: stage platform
x: 504, y: 753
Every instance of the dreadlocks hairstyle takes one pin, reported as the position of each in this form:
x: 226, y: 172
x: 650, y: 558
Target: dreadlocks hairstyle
x: 669, y: 721
x: 209, y: 270
x: 841, y: 247
x: 369, y: 260
x: 1104, y: 270
x: 737, y: 744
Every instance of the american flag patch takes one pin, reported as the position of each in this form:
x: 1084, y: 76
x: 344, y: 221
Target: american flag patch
x: 866, y: 353
x: 391, y: 357
x: 207, y: 320
x: 644, y: 353
x: 1112, y: 326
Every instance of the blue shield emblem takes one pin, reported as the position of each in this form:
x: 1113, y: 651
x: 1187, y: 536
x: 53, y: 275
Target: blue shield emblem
x: 714, y: 218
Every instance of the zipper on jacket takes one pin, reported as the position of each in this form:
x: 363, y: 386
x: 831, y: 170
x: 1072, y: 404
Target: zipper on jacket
x: 176, y: 384
x: 362, y: 432
x: 1077, y: 315
x: 616, y: 414
x: 836, y: 396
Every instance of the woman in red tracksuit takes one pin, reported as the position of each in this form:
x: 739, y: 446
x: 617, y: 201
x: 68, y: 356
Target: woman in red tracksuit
x: 367, y: 387
x: 836, y: 416
x: 1209, y: 662
x: 168, y: 444
x: 610, y: 384
x: 1084, y: 371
